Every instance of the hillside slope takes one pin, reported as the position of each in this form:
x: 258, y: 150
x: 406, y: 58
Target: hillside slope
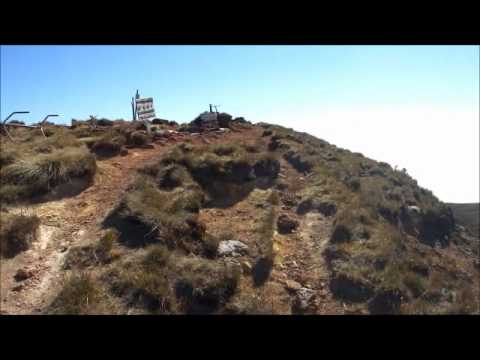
x: 467, y: 215
x: 249, y: 219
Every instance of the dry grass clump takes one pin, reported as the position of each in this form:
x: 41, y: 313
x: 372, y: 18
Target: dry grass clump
x: 81, y: 257
x: 203, y: 286
x: 36, y: 175
x: 82, y: 294
x: 145, y: 281
x: 351, y: 224
x: 33, y: 165
x: 166, y: 282
x: 108, y: 145
x: 148, y: 214
x: 17, y: 232
x: 139, y: 138
x: 226, y: 173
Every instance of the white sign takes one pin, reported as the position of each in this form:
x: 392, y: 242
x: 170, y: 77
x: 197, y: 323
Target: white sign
x: 144, y: 108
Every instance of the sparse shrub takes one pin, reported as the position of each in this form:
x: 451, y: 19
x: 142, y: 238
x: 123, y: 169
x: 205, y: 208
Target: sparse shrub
x: 157, y: 256
x: 353, y: 183
x: 146, y: 281
x: 386, y: 302
x: 203, y: 286
x: 300, y: 163
x: 415, y: 283
x: 147, y: 214
x: 109, y: 145
x: 224, y: 150
x: 467, y: 302
x: 17, y: 232
x: 7, y: 155
x: 211, y: 245
x: 346, y: 286
x: 139, y: 138
x: 106, y: 243
x: 81, y: 257
x: 104, y: 122
x: 341, y: 233
x: 171, y: 176
x: 80, y: 295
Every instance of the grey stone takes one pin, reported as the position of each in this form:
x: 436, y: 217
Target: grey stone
x: 232, y: 248
x: 303, y: 299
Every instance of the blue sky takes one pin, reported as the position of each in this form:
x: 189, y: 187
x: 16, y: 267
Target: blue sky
x: 370, y: 99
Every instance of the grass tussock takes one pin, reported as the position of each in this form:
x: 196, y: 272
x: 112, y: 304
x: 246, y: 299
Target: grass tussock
x: 37, y: 175
x: 110, y: 144
x: 100, y: 253
x: 166, y: 282
x: 82, y: 294
x: 17, y: 232
x: 148, y: 214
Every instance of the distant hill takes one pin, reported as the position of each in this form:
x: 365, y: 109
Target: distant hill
x: 467, y: 215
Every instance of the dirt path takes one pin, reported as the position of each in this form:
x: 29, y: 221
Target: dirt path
x: 301, y: 253
x: 64, y: 223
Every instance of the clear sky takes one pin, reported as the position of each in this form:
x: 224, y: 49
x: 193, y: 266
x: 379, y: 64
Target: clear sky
x: 412, y: 106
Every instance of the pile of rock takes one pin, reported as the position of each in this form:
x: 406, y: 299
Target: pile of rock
x: 212, y: 121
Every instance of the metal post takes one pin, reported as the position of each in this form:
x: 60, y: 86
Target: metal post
x: 43, y: 122
x: 134, y: 107
x: 8, y: 117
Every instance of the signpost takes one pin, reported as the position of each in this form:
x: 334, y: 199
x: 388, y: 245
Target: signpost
x: 143, y: 110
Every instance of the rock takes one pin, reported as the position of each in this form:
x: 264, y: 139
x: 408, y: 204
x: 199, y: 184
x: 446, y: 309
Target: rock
x: 303, y: 299
x: 246, y: 267
x: 23, y: 274
x: 285, y: 224
x: 232, y: 248
x: 292, y: 285
x: 414, y: 209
